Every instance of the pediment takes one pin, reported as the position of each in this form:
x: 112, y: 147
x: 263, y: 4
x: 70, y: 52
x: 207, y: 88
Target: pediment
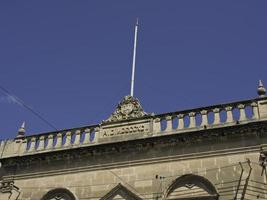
x: 120, y: 192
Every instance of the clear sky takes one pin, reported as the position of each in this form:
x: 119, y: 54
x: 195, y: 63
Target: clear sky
x: 71, y: 60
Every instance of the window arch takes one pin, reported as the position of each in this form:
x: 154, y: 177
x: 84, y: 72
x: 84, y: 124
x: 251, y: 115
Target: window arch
x: 191, y: 187
x: 59, y: 194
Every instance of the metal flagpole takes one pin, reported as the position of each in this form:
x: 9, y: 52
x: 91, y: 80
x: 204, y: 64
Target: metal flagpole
x: 134, y: 57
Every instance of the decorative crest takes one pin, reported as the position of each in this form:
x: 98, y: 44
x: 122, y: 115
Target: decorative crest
x: 128, y: 108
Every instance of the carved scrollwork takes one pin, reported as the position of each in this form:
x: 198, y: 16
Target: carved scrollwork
x: 128, y: 108
x: 7, y: 186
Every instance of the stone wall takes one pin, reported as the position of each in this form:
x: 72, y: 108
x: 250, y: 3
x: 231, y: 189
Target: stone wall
x: 134, y: 156
x: 150, y: 180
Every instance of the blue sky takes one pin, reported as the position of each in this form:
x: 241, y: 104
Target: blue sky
x: 71, y: 60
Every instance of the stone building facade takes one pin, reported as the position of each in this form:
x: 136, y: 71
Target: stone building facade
x: 214, y: 152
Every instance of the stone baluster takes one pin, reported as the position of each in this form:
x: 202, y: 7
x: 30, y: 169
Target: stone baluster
x: 23, y: 146
x: 217, y: 119
x: 241, y: 108
x: 50, y: 141
x: 97, y: 129
x: 156, y: 125
x: 33, y: 143
x: 68, y: 139
x: 59, y: 140
x: 255, y: 110
x: 41, y: 145
x: 192, y: 120
x: 77, y: 137
x: 180, y: 121
x: 169, y: 123
x: 86, y: 136
x: 229, y: 114
x: 204, y: 117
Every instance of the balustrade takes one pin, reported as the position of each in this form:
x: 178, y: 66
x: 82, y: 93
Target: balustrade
x: 216, y: 111
x: 185, y: 120
x: 55, y: 140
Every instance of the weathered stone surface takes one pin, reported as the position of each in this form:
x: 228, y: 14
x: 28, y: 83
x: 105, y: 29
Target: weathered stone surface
x: 137, y: 159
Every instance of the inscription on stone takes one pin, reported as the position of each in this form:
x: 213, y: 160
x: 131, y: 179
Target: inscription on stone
x: 125, y: 130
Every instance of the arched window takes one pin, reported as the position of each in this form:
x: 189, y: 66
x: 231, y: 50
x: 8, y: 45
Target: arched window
x: 59, y: 194
x: 191, y: 187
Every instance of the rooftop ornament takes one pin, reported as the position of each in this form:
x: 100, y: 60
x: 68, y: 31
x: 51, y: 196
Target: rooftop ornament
x: 21, y: 131
x: 128, y: 108
x: 261, y: 89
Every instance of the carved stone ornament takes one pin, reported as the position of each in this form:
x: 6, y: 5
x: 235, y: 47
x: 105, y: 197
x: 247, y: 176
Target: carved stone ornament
x: 128, y: 108
x: 6, y: 186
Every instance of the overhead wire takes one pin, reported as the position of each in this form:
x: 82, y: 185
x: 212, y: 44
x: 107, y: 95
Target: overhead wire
x: 22, y: 103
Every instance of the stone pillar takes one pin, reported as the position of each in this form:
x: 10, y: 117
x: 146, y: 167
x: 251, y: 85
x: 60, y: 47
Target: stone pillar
x: 262, y: 105
x: 23, y: 146
x: 217, y: 119
x: 229, y: 114
x: 180, y: 121
x: 192, y: 120
x: 97, y: 130
x: 156, y: 125
x: 169, y: 123
x: 33, y: 143
x: 50, y: 141
x: 41, y: 145
x: 59, y: 140
x: 68, y: 139
x: 86, y: 136
x: 77, y: 137
x: 242, y: 112
x: 255, y: 110
x: 204, y: 116
x: 16, y: 145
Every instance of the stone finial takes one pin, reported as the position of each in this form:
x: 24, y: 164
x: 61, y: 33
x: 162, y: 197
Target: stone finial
x: 261, y: 89
x: 21, y: 131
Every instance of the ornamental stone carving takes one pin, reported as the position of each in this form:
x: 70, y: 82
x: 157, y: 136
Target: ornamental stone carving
x: 128, y: 108
x: 7, y: 186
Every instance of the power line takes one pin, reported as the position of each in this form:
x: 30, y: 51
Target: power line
x: 37, y: 114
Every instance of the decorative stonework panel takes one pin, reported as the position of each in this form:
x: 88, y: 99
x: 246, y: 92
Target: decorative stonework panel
x: 128, y: 108
x: 7, y: 186
x: 124, y: 130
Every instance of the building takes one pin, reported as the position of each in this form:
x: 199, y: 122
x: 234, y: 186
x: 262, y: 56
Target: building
x: 208, y: 153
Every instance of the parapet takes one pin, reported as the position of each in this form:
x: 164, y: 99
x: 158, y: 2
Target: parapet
x: 130, y: 122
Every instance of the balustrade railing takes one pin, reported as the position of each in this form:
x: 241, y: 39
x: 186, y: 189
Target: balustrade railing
x: 60, y: 140
x: 167, y: 123
x: 233, y: 113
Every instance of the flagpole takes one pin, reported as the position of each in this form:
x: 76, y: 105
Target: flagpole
x: 134, y: 58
